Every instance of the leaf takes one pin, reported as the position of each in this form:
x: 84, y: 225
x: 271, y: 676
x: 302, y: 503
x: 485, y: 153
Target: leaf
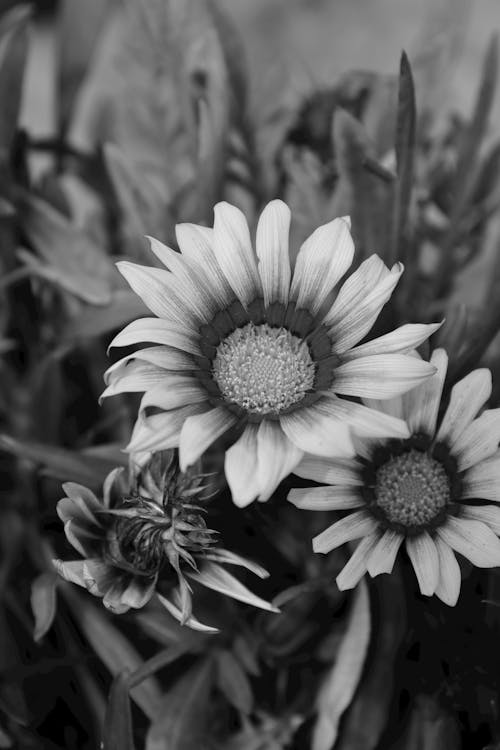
x: 61, y: 463
x: 342, y: 681
x: 114, y: 650
x: 118, y: 720
x: 124, y: 306
x: 43, y: 602
x: 233, y: 682
x: 405, y: 155
x: 13, y: 53
x: 73, y: 260
x: 215, y: 577
x: 180, y: 721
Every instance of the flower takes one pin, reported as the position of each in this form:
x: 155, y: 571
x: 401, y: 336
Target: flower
x: 148, y: 533
x: 244, y: 344
x: 427, y: 490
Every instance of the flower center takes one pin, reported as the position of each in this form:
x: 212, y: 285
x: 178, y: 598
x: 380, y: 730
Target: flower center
x: 136, y: 545
x: 263, y: 369
x: 412, y: 489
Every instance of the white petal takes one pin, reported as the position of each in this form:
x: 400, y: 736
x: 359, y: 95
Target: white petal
x: 400, y: 341
x: 240, y: 467
x: 391, y: 406
x: 200, y: 431
x: 321, y: 262
x: 191, y: 622
x: 160, y: 431
x: 380, y: 376
x: 174, y: 391
x: 479, y: 441
x: 157, y: 331
x: 360, y: 301
x: 166, y: 295
x: 134, y: 378
x: 467, y: 397
x: 326, y: 498
x: 71, y: 570
x: 277, y: 456
x: 234, y: 253
x: 450, y: 577
x: 366, y: 422
x: 162, y: 356
x: 196, y: 244
x: 314, y: 431
x: 488, y: 514
x: 272, y: 251
x: 482, y: 481
x: 330, y: 471
x: 383, y: 556
x: 215, y: 577
x: 355, y: 525
x: 354, y: 570
x: 472, y: 539
x: 421, y: 405
x: 424, y: 558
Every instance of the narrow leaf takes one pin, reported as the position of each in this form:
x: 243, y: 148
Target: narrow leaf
x: 118, y: 720
x: 233, y: 682
x: 342, y: 681
x: 14, y: 47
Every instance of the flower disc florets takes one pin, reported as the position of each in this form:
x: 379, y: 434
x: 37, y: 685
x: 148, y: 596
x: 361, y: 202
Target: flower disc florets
x: 263, y: 369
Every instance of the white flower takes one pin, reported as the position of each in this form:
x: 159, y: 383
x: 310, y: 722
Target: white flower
x: 427, y: 490
x: 242, y: 343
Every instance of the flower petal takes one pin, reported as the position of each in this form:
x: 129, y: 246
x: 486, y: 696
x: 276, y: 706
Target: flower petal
x: 326, y: 498
x: 157, y: 331
x: 314, y: 431
x: 200, y: 431
x: 173, y: 392
x: 161, y: 431
x: 165, y: 357
x: 166, y: 295
x: 355, y: 525
x: 133, y: 378
x: 360, y: 301
x: 383, y: 555
x: 450, y: 577
x: 321, y: 262
x: 424, y: 557
x: 329, y: 470
x: 71, y: 571
x: 472, y: 539
x: 482, y: 481
x: 365, y: 422
x: 215, y: 577
x: 138, y: 592
x: 354, y: 570
x: 467, y: 397
x: 196, y: 244
x: 380, y: 376
x: 421, y: 405
x: 479, y: 441
x: 272, y: 250
x: 234, y: 253
x: 400, y: 341
x: 191, y: 622
x: 240, y: 467
x: 488, y: 514
x: 277, y: 456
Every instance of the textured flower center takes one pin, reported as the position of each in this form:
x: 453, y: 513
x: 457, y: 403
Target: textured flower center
x: 137, y: 545
x: 263, y: 369
x: 412, y: 489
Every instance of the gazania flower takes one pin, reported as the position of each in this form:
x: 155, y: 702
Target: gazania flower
x: 149, y: 536
x: 427, y: 490
x: 244, y: 344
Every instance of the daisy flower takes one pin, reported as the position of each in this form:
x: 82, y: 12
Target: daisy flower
x: 243, y: 344
x: 428, y: 490
x: 148, y: 536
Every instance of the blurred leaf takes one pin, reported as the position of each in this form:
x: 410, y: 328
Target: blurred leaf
x: 367, y: 715
x: 233, y: 682
x: 342, y: 682
x: 155, y: 663
x: 80, y: 266
x: 124, y: 307
x: 61, y: 463
x: 430, y: 728
x: 359, y: 192
x: 43, y: 602
x: 13, y: 53
x: 118, y: 720
x: 162, y: 627
x: 405, y: 154
x: 114, y: 650
x: 12, y: 699
x: 180, y: 721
